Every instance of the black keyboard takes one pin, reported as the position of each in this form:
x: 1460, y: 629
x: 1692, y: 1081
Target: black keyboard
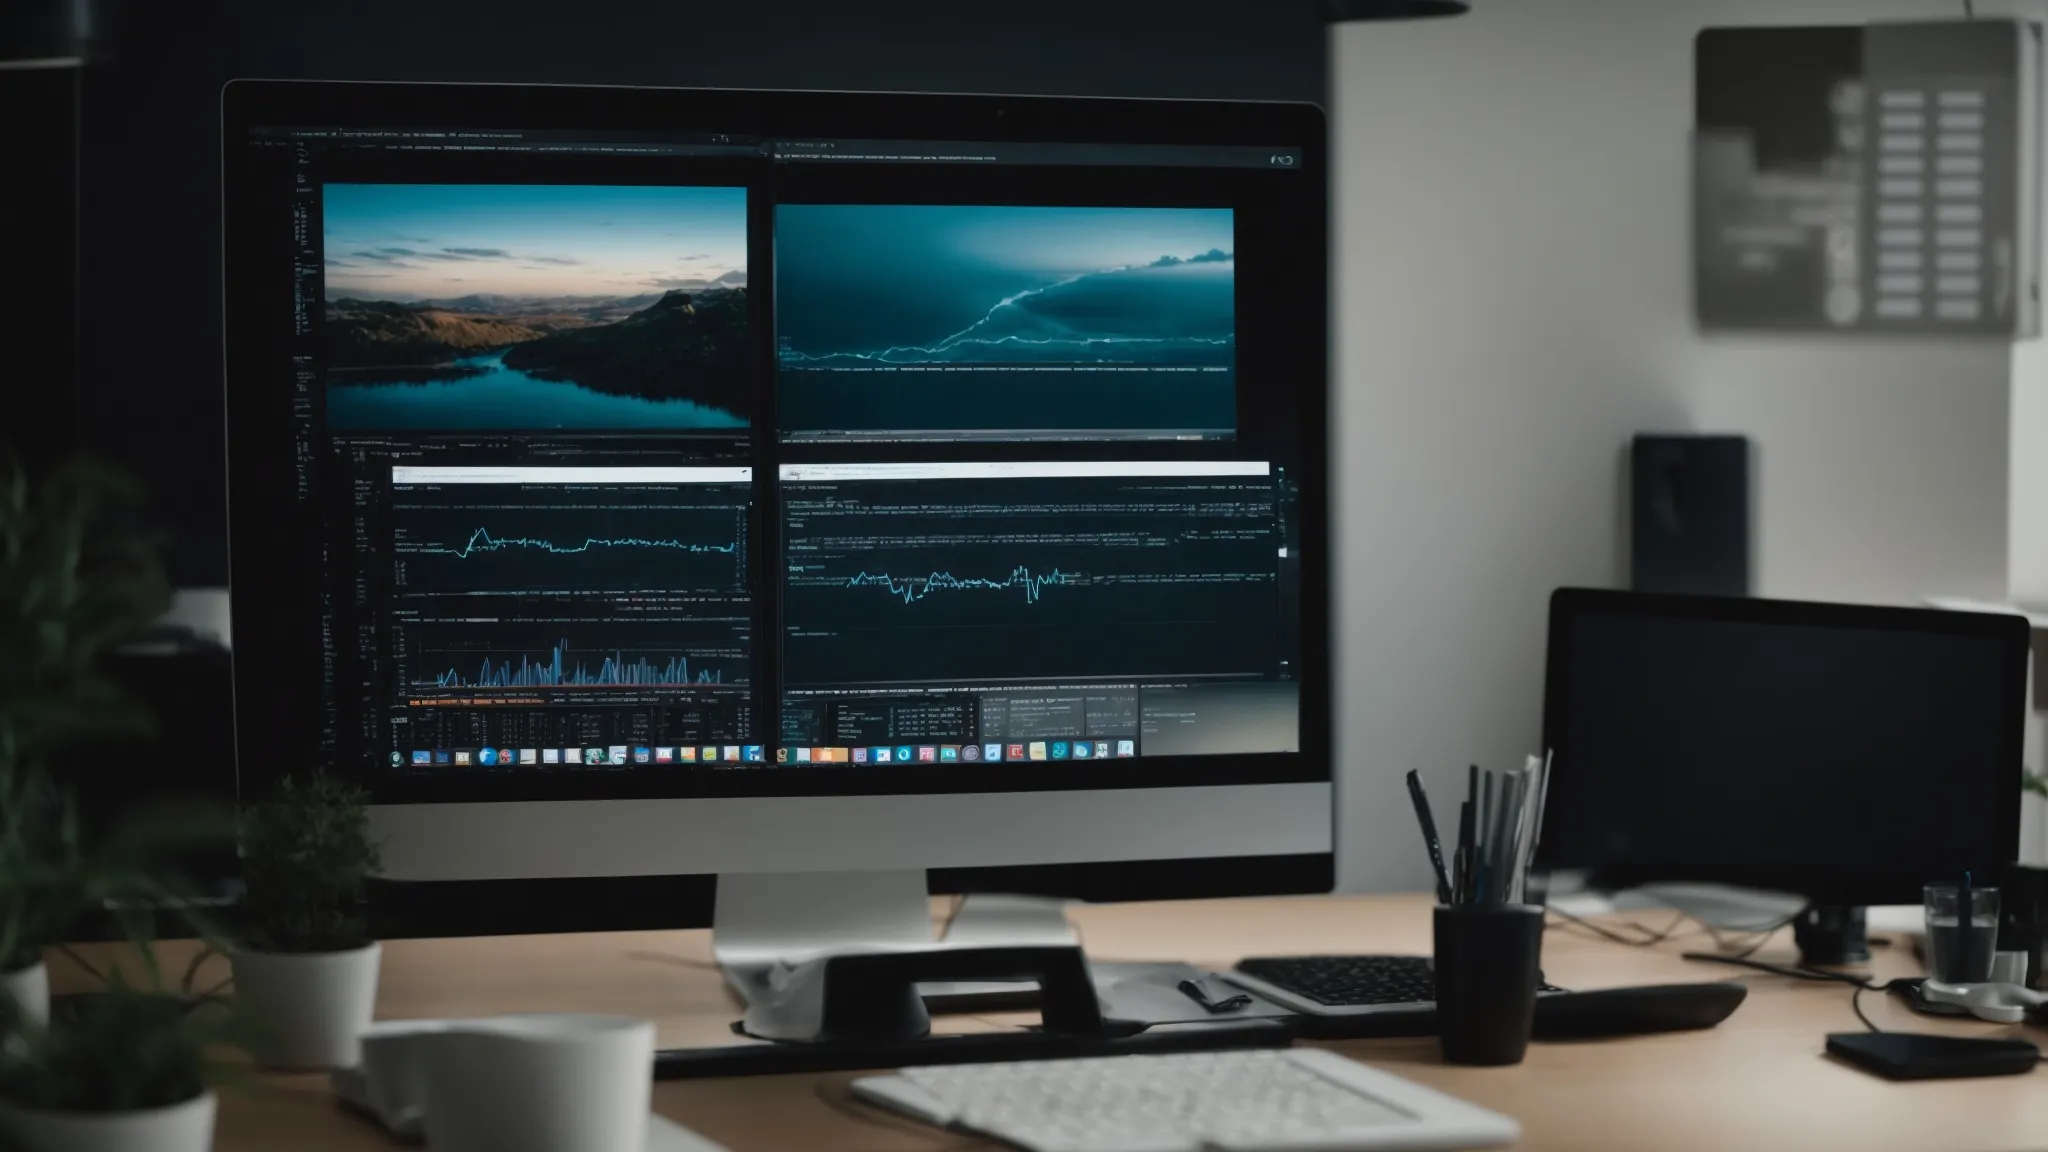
x: 1348, y: 981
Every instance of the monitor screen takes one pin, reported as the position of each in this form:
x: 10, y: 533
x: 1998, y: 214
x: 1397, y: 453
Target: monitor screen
x: 1827, y: 750
x: 594, y: 459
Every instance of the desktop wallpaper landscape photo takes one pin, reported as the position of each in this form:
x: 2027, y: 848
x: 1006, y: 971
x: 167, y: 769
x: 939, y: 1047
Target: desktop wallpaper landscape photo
x: 987, y: 317
x: 488, y: 306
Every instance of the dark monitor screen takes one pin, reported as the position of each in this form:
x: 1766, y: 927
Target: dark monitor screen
x: 1844, y: 753
x: 597, y: 443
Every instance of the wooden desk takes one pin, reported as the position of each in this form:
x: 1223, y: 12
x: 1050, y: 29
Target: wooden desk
x: 1758, y: 1081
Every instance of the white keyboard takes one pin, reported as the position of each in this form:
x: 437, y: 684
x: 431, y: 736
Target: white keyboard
x: 1290, y: 1100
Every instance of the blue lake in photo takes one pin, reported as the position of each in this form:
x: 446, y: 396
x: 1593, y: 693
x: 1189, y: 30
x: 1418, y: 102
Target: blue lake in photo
x: 506, y: 398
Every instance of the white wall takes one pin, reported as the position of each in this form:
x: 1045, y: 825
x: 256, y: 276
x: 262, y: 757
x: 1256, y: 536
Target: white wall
x: 1513, y: 302
x: 2028, y: 519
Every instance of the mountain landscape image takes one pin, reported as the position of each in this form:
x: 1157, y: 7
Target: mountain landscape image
x: 483, y: 306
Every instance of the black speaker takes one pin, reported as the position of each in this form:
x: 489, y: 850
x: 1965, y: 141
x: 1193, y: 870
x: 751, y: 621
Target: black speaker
x: 1689, y: 515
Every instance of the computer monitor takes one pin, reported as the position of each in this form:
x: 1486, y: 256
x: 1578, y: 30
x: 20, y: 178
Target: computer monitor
x: 1846, y: 754
x: 785, y: 486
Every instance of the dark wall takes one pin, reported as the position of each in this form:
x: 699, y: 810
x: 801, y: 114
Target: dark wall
x: 38, y: 311
x: 149, y: 253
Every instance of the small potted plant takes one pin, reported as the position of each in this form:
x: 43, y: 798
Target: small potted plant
x: 123, y: 1070
x: 306, y: 971
x: 76, y: 582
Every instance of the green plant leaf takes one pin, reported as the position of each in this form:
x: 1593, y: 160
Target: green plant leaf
x: 307, y: 858
x: 118, y: 1050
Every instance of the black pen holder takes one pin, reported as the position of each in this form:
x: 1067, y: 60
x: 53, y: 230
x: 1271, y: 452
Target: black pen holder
x: 1487, y: 963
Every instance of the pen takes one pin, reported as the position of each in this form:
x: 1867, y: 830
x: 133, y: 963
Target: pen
x: 1481, y: 844
x: 1516, y: 786
x: 1467, y: 828
x: 1461, y: 892
x: 1429, y: 836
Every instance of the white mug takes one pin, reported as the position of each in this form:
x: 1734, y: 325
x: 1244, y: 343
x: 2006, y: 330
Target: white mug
x: 538, y: 1083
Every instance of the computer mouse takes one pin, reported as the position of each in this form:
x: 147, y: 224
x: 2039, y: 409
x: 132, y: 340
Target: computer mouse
x: 1636, y: 1011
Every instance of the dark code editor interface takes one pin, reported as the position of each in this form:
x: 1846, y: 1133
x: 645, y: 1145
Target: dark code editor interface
x: 696, y: 452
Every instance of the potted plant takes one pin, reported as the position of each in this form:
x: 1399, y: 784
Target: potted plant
x: 76, y: 581
x: 123, y: 1070
x: 306, y: 971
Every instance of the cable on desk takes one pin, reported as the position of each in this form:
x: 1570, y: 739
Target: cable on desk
x: 1817, y: 975
x: 1856, y: 1003
x: 1744, y: 951
x: 1650, y: 936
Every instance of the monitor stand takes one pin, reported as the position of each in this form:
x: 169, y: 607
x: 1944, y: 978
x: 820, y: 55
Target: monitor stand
x: 1832, y: 935
x: 763, y: 921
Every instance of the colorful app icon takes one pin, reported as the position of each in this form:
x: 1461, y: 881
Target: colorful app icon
x: 949, y: 753
x: 529, y: 755
x: 423, y: 756
x: 487, y: 757
x: 664, y: 755
x: 708, y: 754
x: 971, y: 752
x: 572, y: 755
x: 551, y: 755
x: 803, y: 755
x: 991, y: 752
x: 619, y: 754
x: 905, y: 753
x: 885, y: 755
x: 927, y: 753
x: 397, y: 758
x: 1059, y: 749
x: 593, y: 755
x: 441, y: 756
x: 754, y: 753
x: 686, y: 754
x: 508, y: 756
x: 781, y: 755
x: 462, y: 758
x: 1084, y: 750
x: 1013, y: 752
x: 1127, y: 748
x: 643, y: 755
x: 1038, y: 750
x: 860, y: 755
x: 732, y: 753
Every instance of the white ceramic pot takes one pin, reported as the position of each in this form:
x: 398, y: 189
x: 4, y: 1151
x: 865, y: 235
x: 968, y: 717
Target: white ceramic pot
x: 307, y: 1010
x: 30, y: 988
x: 538, y: 1083
x: 186, y: 1127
